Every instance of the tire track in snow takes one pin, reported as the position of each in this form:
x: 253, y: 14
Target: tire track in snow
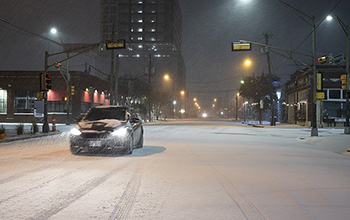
x: 247, y: 207
x: 121, y: 210
x: 74, y: 196
x: 20, y: 175
x: 42, y: 184
x: 40, y: 168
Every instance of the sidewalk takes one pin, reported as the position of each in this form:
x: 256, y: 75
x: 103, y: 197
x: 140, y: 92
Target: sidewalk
x: 11, y: 131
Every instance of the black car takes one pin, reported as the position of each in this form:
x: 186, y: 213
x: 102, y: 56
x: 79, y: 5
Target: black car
x: 109, y: 129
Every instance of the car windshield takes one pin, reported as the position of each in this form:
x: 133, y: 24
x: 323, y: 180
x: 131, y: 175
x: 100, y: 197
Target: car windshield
x: 105, y: 113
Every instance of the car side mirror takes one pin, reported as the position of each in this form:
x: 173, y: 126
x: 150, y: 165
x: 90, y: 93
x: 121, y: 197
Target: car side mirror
x: 78, y: 119
x: 135, y: 120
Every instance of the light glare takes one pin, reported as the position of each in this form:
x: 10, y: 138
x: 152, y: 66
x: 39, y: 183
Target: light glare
x: 329, y: 18
x: 53, y: 31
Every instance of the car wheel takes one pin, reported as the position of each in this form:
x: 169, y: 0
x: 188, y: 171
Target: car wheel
x: 130, y: 146
x: 140, y: 143
x: 75, y: 149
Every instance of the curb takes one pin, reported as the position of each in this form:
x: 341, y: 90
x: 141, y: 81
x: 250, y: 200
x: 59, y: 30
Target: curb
x: 31, y: 136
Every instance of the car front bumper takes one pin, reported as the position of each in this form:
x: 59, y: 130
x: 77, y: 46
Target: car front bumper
x: 98, y: 142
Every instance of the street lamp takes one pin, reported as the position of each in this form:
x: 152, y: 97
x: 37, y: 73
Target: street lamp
x: 53, y: 31
x: 247, y: 62
x: 237, y: 95
x: 67, y: 78
x: 167, y: 77
x: 301, y: 15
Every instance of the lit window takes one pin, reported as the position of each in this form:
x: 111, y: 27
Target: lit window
x: 153, y: 39
x: 153, y: 30
x: 140, y: 21
x: 140, y: 12
x: 140, y: 46
x: 3, y: 101
x: 140, y: 30
x: 139, y: 38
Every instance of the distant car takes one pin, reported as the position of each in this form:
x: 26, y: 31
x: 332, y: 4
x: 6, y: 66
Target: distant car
x: 109, y: 129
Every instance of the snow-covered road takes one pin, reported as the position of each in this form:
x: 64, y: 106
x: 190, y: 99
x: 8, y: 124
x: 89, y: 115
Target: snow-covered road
x: 188, y: 170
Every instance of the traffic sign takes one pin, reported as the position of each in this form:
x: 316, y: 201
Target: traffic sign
x: 119, y: 44
x: 337, y: 59
x: 320, y: 95
x: 241, y: 46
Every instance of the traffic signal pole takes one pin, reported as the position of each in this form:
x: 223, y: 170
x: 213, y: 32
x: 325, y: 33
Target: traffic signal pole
x: 46, y: 128
x: 347, y: 126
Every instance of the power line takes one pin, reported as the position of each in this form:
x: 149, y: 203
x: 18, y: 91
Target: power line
x: 28, y: 32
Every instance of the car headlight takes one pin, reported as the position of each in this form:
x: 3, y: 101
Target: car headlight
x: 121, y: 132
x: 75, y: 132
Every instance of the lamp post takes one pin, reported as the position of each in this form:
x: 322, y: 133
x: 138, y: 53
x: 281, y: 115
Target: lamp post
x: 67, y: 79
x: 182, y: 93
x: 346, y: 31
x: 300, y: 14
x: 237, y: 95
x: 167, y: 77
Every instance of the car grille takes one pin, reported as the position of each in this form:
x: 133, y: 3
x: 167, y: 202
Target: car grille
x: 95, y: 135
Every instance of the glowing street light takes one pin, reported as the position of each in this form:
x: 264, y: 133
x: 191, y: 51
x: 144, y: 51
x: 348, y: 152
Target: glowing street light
x: 329, y: 18
x: 67, y: 76
x: 182, y: 92
x: 166, y: 77
x: 53, y: 31
x: 247, y: 62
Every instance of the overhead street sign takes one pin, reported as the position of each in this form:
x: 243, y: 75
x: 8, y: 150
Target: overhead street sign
x: 336, y: 59
x: 119, y: 44
x: 77, y: 48
x: 240, y: 46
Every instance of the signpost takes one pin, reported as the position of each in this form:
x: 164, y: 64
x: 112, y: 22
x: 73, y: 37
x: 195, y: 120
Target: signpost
x: 337, y: 59
x: 119, y: 44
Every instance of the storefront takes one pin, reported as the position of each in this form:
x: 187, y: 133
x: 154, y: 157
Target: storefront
x: 20, y: 89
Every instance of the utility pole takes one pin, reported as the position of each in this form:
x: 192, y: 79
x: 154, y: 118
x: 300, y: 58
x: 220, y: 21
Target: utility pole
x: 68, y: 91
x: 149, y: 88
x: 112, y: 76
x: 347, y: 105
x: 46, y: 128
x: 314, y: 129
x: 236, y: 105
x: 272, y: 122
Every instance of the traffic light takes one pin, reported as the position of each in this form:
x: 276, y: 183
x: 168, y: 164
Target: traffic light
x: 322, y: 59
x: 58, y: 65
x: 48, y: 81
x: 72, y: 90
x: 42, y: 82
x: 343, y: 82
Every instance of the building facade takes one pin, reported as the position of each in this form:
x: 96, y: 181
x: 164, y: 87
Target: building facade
x: 20, y: 89
x: 298, y: 95
x: 152, y: 30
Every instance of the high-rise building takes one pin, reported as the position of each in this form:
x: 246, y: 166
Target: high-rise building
x: 152, y: 30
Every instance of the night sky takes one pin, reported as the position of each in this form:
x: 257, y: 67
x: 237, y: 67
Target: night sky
x: 209, y: 27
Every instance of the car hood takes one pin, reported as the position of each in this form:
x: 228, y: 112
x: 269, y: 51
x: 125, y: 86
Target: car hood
x: 100, y: 125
